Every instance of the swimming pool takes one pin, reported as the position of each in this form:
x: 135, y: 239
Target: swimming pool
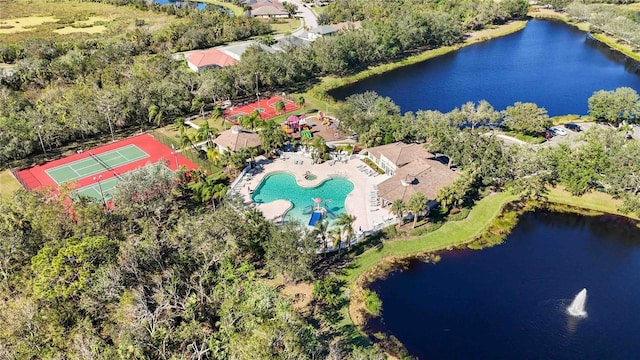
x: 283, y: 186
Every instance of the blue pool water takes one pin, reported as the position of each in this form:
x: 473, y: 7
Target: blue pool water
x: 283, y: 186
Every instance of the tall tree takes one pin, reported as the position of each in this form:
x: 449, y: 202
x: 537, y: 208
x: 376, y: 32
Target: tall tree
x: 526, y: 118
x: 397, y: 208
x: 345, y: 222
x: 417, y: 204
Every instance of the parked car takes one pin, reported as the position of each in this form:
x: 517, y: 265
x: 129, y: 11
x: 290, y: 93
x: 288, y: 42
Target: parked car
x: 546, y: 134
x: 573, y: 127
x: 558, y: 131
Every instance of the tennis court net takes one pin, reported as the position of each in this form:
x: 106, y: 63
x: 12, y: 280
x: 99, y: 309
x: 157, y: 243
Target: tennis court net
x: 104, y: 164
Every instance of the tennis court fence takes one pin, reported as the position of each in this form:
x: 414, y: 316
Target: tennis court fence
x: 190, y: 155
x: 15, y: 175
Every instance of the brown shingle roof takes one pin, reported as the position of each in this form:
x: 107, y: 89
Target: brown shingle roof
x: 427, y: 176
x: 400, y: 153
x: 236, y: 139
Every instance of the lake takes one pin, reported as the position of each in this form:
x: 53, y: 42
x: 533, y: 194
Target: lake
x: 194, y: 4
x: 549, y: 63
x: 509, y: 301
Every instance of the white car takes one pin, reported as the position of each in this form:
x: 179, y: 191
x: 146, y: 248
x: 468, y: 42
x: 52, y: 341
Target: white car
x: 558, y: 131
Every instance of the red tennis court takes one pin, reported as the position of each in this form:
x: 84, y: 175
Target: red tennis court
x: 267, y: 108
x: 102, y: 166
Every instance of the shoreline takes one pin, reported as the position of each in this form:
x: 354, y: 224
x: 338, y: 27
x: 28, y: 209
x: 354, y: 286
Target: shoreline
x: 608, y: 41
x: 329, y: 83
x: 374, y: 261
x: 510, y: 211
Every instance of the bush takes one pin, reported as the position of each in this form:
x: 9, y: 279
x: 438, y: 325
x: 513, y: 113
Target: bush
x: 372, y: 303
x: 460, y: 215
x: 426, y: 229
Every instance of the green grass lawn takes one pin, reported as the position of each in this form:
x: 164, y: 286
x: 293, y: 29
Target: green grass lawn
x: 571, y: 118
x: 284, y: 26
x: 8, y: 184
x: 452, y: 233
x: 597, y: 201
x: 312, y: 104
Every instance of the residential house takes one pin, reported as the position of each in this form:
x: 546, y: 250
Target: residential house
x: 329, y: 30
x: 267, y: 9
x: 211, y: 58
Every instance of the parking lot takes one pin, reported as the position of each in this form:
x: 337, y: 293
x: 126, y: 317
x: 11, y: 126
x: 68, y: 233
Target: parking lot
x: 572, y: 136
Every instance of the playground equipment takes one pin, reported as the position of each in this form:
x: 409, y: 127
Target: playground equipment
x: 305, y: 133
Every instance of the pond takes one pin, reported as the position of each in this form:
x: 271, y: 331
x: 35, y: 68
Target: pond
x: 549, y: 63
x: 194, y: 4
x: 510, y: 301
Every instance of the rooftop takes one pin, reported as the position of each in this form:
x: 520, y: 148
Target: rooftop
x: 210, y: 57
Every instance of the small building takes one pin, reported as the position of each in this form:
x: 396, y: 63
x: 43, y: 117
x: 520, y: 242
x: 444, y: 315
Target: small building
x: 291, y: 41
x: 211, y: 58
x: 236, y: 50
x: 329, y: 30
x: 235, y: 139
x: 321, y: 31
x: 412, y: 168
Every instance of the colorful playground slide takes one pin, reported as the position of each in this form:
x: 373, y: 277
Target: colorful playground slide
x: 306, y: 134
x: 315, y: 217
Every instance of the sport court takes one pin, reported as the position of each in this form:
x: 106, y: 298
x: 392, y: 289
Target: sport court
x: 266, y: 107
x: 95, y: 172
x: 96, y: 164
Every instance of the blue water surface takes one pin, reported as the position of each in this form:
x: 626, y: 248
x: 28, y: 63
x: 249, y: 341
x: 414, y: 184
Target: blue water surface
x: 509, y: 301
x: 283, y: 186
x: 548, y: 63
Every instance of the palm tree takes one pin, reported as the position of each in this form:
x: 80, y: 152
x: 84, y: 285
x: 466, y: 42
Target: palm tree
x: 300, y: 102
x: 321, y: 229
x: 155, y: 115
x: 345, y: 221
x: 185, y: 141
x: 280, y: 106
x: 251, y: 120
x: 204, y: 132
x: 335, y: 234
x: 209, y: 187
x: 397, y: 208
x: 213, y: 153
x: 181, y: 125
x: 217, y: 113
x: 417, y: 203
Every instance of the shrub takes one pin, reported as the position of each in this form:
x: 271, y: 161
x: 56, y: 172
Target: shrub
x: 372, y: 303
x: 460, y: 215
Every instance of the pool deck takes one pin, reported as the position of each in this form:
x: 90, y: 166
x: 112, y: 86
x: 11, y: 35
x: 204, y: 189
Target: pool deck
x: 360, y: 202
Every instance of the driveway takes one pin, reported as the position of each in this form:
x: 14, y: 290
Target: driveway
x: 309, y: 17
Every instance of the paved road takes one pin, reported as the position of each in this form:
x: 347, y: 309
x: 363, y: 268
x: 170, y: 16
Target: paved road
x: 309, y: 17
